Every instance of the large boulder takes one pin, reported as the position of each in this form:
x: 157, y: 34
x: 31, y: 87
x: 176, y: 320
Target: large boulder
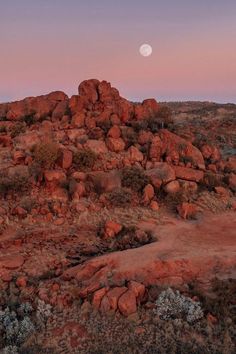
x: 188, y: 174
x: 161, y: 174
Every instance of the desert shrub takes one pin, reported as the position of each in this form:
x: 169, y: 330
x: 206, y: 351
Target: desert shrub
x: 212, y: 180
x: 15, y: 183
x: 35, y: 170
x: 16, y: 326
x: 186, y: 159
x: 84, y: 159
x: 3, y: 129
x: 28, y: 203
x: 140, y: 125
x: 173, y: 305
x: 130, y: 137
x: 17, y: 129
x: 120, y: 197
x: 134, y: 178
x: 44, y: 311
x: 29, y: 119
x: 46, y: 153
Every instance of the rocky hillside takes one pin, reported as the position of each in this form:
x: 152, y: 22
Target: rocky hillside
x: 95, y: 191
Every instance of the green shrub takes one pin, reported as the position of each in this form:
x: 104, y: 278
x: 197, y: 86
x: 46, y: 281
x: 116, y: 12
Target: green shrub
x: 84, y: 159
x: 120, y: 197
x: 134, y: 178
x: 46, y: 153
x: 17, y: 129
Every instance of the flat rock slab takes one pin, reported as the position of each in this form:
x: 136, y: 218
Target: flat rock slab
x: 11, y: 262
x: 185, y: 251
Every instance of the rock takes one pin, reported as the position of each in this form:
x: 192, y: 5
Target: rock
x: 115, y: 145
x: 127, y: 303
x: 232, y: 182
x: 188, y: 186
x: 11, y: 262
x: 231, y: 165
x: 135, y: 154
x: 78, y: 120
x: 187, y: 210
x: 137, y: 288
x: 172, y: 144
x: 60, y: 109
x: 65, y: 159
x: 114, y: 132
x: 111, y: 229
x: 88, y: 90
x: 211, y: 152
x: 97, y: 146
x: 105, y: 304
x: 78, y: 190
x: 148, y: 193
x: 54, y: 176
x: 18, y: 157
x: 156, y: 148
x: 161, y: 174
x: 222, y: 191
x: 19, y: 211
x: 113, y: 296
x: 146, y: 137
x: 97, y: 297
x: 105, y: 182
x: 172, y: 187
x: 21, y: 282
x: 154, y: 205
x: 188, y: 174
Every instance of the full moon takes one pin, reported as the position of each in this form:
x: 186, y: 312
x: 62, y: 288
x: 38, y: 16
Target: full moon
x: 145, y: 50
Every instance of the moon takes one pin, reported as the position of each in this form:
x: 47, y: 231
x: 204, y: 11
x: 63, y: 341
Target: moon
x: 145, y: 50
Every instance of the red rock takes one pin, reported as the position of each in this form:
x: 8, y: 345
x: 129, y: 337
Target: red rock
x: 137, y: 288
x: 188, y: 174
x: 21, y: 282
x: 161, y: 174
x: 6, y: 277
x: 54, y: 176
x: 145, y: 137
x: 212, y: 167
x: 88, y: 89
x: 11, y: 262
x: 112, y: 229
x: 65, y: 160
x: 115, y: 145
x: 148, y: 193
x: 113, y: 296
x: 172, y: 187
x: 105, y: 304
x: 5, y: 140
x: 97, y: 297
x: 79, y: 190
x: 59, y: 221
x: 231, y: 165
x: 187, y: 210
x: 18, y: 157
x: 172, y: 144
x: 211, y: 152
x: 60, y: 109
x: 222, y: 191
x: 127, y: 303
x: 97, y: 146
x: 19, y: 211
x: 212, y: 319
x: 156, y: 147
x: 105, y: 182
x: 154, y: 205
x: 188, y: 186
x: 135, y: 154
x: 78, y: 120
x: 232, y: 182
x: 114, y: 132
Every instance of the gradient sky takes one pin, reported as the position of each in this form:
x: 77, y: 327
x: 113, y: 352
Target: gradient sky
x: 48, y: 45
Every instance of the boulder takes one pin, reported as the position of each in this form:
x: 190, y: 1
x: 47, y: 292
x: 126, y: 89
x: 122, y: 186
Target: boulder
x: 97, y: 146
x: 172, y: 187
x: 105, y: 182
x: 127, y: 303
x: 161, y: 174
x: 188, y: 174
x: 113, y: 296
x: 135, y: 155
x: 115, y: 145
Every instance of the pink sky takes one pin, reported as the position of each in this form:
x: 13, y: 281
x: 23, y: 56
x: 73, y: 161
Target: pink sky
x: 44, y: 48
